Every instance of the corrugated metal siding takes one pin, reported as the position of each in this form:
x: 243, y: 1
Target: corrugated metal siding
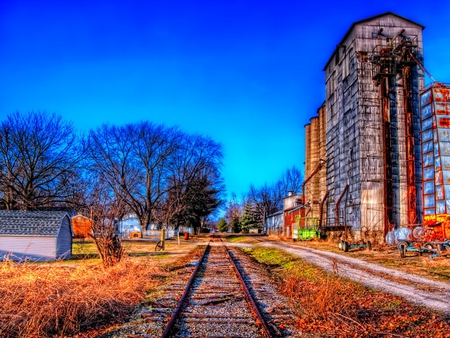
x: 21, y: 247
x: 64, y: 240
x: 315, y: 158
x: 275, y: 224
x: 307, y: 154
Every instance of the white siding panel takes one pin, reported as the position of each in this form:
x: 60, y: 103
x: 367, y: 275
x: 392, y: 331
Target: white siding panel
x: 36, y: 248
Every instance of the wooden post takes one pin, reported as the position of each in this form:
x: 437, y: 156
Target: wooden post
x: 163, y: 239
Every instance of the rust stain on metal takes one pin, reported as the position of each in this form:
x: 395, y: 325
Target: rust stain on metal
x: 444, y: 122
x: 409, y: 138
x: 442, y: 109
x: 385, y: 112
x: 322, y: 202
x: 339, y: 202
x: 441, y: 94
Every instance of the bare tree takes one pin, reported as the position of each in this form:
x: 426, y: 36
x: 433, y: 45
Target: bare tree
x: 291, y: 180
x: 105, y: 211
x: 266, y: 200
x: 39, y: 157
x: 133, y: 159
x: 195, y: 182
x: 233, y: 210
x: 156, y: 169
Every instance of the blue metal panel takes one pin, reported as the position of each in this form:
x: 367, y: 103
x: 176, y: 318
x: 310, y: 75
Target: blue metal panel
x: 440, y: 207
x: 428, y: 187
x: 427, y: 124
x: 428, y: 160
x: 430, y: 211
x: 437, y: 164
x: 427, y: 147
x: 427, y: 135
x: 440, y: 192
x: 426, y: 111
x: 425, y: 98
x: 428, y: 174
x: 444, y: 135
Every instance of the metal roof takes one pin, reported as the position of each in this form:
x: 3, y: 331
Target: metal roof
x: 30, y: 223
x: 275, y: 214
x: 366, y: 20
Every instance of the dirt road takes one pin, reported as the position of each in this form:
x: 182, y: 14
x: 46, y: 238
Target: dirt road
x: 422, y: 291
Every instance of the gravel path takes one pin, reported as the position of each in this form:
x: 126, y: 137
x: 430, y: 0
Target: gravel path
x: 432, y: 294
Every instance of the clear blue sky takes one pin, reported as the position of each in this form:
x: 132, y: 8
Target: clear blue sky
x: 247, y: 73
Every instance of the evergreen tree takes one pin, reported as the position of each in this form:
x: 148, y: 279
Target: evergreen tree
x: 235, y: 225
x: 222, y: 225
x: 249, y: 217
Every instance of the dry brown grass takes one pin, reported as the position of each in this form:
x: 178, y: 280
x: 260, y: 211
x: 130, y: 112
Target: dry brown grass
x: 320, y: 300
x: 44, y: 300
x: 335, y: 306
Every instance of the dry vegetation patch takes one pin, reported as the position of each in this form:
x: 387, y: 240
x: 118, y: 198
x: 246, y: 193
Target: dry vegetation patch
x: 328, y: 303
x: 48, y: 300
x: 66, y: 298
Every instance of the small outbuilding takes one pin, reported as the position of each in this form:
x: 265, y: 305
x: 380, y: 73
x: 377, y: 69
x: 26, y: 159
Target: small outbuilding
x: 274, y: 224
x: 81, y: 226
x: 35, y: 235
x: 129, y: 227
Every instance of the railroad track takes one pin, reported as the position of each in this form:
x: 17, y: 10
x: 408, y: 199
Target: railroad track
x: 217, y: 302
x: 214, y: 308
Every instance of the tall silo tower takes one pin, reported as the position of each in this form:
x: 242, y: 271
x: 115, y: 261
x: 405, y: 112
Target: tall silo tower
x: 373, y: 79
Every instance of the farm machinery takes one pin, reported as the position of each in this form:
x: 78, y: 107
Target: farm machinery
x: 307, y: 228
x: 433, y: 238
x: 346, y: 243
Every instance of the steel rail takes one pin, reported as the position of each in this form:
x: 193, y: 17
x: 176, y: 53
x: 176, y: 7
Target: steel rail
x: 177, y: 311
x: 266, y: 330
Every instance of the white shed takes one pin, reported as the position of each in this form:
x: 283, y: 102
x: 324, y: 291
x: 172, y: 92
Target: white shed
x: 128, y: 225
x: 35, y: 235
x: 275, y: 223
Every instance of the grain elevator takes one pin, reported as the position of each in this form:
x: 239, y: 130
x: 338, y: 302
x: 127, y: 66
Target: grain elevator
x: 364, y: 150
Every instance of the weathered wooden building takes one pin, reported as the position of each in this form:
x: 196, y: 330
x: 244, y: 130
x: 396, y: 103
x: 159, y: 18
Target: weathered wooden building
x: 373, y: 169
x: 35, y: 235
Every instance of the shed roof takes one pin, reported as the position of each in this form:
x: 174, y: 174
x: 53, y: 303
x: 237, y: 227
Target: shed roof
x: 279, y: 212
x: 30, y: 223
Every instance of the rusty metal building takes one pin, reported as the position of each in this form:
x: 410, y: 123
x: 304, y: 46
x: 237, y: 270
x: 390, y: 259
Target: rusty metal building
x: 435, y: 115
x: 373, y: 154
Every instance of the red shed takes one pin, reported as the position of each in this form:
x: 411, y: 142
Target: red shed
x: 81, y: 226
